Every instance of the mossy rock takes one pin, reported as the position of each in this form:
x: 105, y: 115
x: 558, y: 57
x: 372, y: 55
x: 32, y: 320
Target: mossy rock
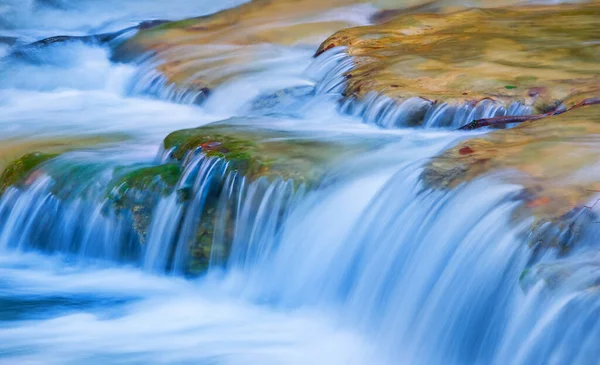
x: 161, y: 179
x: 202, y: 245
x: 263, y: 156
x: 17, y: 171
x: 139, y: 189
x: 256, y: 152
x: 538, y: 56
x: 12, y: 148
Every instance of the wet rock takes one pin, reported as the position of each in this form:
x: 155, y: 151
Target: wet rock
x: 537, y: 57
x: 207, y: 51
x: 19, y: 170
x: 239, y: 155
x: 13, y: 148
x: 554, y: 159
x: 89, y: 39
x: 259, y: 153
x: 577, y: 274
x: 139, y: 189
x: 282, y: 100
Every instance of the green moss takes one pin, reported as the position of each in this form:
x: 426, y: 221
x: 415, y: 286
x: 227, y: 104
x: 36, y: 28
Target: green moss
x: 138, y: 191
x: 259, y: 153
x: 213, y: 144
x: 17, y: 171
x: 161, y: 179
x: 242, y: 151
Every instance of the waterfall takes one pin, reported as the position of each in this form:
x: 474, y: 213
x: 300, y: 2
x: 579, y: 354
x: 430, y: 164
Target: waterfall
x: 224, y: 212
x: 127, y: 250
x: 433, y: 279
x: 375, y: 108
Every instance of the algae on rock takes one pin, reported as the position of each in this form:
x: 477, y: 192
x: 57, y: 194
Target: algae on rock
x: 17, y: 171
x: 242, y: 156
x: 259, y: 153
x: 13, y: 148
x: 139, y: 189
x: 160, y: 179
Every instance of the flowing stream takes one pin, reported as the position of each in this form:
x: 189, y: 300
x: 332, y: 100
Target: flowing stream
x: 368, y: 267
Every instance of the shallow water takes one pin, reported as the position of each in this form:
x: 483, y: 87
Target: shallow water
x: 367, y: 268
x: 30, y: 20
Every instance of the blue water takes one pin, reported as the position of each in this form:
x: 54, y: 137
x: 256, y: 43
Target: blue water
x: 367, y: 268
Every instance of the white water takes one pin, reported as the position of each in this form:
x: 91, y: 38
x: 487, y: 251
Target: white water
x: 368, y: 268
x: 36, y: 19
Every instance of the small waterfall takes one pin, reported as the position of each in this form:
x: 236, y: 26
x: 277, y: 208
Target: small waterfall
x: 430, y: 278
x: 212, y: 211
x: 162, y: 233
x: 385, y: 112
x: 261, y: 219
x: 149, y: 81
x: 43, y: 217
x: 218, y: 70
x: 558, y: 320
x: 367, y: 265
x: 332, y: 67
x: 434, y: 280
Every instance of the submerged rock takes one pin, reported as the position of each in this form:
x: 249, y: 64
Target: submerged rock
x: 535, y: 57
x: 9, y: 41
x: 91, y: 39
x: 580, y: 273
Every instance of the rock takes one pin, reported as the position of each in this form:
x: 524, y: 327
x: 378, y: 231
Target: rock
x: 160, y: 179
x: 89, y: 39
x: 139, y: 189
x: 256, y: 152
x: 538, y: 57
x: 267, y: 159
x: 12, y: 148
x: 578, y: 274
x: 554, y: 159
x: 18, y: 171
x: 204, y: 52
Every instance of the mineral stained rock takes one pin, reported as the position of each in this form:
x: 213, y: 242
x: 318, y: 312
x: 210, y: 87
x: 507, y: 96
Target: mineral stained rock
x: 538, y: 56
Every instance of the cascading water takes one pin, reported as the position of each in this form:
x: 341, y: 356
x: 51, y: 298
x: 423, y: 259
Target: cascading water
x: 365, y: 265
x: 55, y: 215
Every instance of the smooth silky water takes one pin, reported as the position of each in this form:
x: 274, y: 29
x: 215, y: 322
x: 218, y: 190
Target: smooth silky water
x: 369, y: 267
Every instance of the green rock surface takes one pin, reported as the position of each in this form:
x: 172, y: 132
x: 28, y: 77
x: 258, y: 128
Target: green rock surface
x: 17, y: 171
